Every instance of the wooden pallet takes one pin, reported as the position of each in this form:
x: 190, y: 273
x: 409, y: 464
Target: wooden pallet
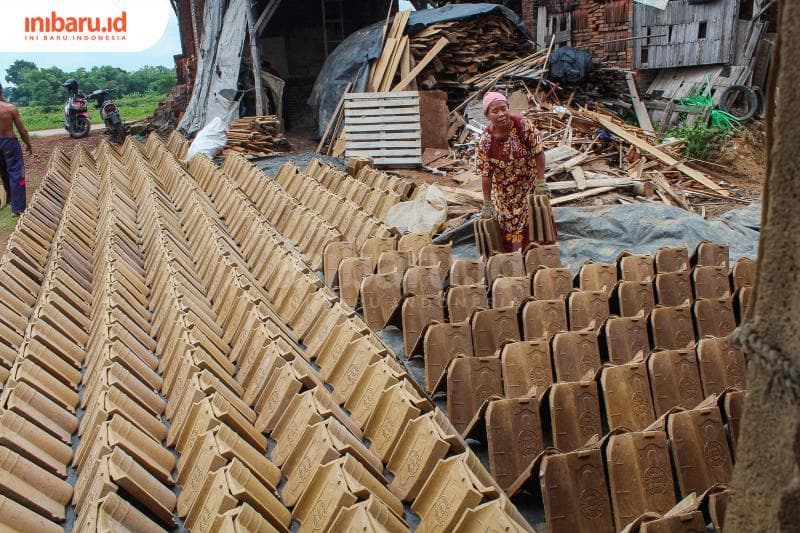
x: 384, y: 126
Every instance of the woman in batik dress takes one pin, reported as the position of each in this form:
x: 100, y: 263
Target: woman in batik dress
x: 511, y: 163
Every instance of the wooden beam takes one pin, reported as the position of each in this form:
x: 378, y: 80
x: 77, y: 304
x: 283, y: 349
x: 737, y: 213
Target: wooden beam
x: 334, y: 118
x: 266, y: 15
x: 255, y: 56
x: 580, y: 177
x: 638, y: 106
x: 581, y: 195
x: 646, y: 147
x: 594, y: 183
x: 432, y: 53
x: 394, y: 63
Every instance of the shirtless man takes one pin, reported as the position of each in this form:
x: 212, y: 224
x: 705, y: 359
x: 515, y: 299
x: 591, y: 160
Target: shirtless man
x: 11, y: 154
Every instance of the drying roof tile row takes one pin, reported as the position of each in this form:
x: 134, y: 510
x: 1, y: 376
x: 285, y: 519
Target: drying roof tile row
x: 347, y: 356
x: 163, y: 295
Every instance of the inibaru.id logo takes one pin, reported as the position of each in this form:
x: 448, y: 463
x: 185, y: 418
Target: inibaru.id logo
x: 58, y: 24
x: 82, y: 25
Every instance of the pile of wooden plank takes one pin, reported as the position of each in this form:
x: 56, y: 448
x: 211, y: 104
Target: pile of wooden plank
x: 256, y: 136
x: 458, y: 56
x: 477, y: 46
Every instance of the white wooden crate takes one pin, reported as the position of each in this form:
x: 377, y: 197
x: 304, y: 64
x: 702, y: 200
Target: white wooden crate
x: 384, y: 126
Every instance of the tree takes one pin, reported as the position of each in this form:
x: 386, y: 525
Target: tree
x: 17, y: 69
x: 43, y: 86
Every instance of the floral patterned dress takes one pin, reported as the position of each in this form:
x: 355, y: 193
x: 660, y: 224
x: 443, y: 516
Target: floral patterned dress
x: 511, y: 168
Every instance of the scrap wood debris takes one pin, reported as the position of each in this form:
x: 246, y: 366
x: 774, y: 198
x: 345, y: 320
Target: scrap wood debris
x: 476, y: 49
x: 256, y: 136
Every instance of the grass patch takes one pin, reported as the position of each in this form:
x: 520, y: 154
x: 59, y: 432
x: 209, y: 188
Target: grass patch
x: 51, y: 117
x: 700, y: 139
x: 7, y: 222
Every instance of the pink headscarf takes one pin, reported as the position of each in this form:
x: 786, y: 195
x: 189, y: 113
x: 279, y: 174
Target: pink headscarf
x: 490, y: 98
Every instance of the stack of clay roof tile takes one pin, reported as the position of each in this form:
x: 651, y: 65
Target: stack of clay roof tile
x: 171, y: 360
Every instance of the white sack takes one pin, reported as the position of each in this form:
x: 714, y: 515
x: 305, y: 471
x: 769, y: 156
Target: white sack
x: 425, y: 214
x: 210, y: 140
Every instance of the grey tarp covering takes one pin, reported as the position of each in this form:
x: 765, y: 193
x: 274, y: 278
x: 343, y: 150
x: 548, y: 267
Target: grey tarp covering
x: 350, y: 61
x: 224, y: 72
x: 602, y: 233
x: 212, y: 25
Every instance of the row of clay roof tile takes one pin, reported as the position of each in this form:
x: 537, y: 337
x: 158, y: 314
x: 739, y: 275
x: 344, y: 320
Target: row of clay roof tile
x: 170, y: 358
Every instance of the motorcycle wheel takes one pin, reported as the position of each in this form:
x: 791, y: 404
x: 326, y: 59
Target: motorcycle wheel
x: 117, y: 133
x: 80, y: 128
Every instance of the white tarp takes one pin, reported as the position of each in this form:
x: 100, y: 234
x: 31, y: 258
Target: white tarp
x: 229, y: 59
x: 194, y: 117
x: 220, y: 71
x: 658, y: 4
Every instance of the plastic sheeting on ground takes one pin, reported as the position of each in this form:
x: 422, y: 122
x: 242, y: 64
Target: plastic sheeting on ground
x: 350, y: 61
x: 602, y: 233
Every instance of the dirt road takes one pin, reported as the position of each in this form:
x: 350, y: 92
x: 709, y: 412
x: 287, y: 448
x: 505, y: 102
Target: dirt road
x: 60, y: 132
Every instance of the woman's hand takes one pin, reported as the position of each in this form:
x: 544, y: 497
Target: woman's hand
x: 488, y: 210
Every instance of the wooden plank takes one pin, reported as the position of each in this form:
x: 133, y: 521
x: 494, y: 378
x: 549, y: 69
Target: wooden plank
x: 384, y: 152
x: 392, y: 111
x: 383, y: 64
x: 593, y: 183
x: 432, y: 53
x: 638, y: 106
x: 386, y: 96
x: 390, y: 45
x: 580, y: 177
x: 403, y: 136
x: 405, y: 119
x: 371, y: 77
x: 405, y: 60
x: 394, y: 64
x: 696, y: 175
x: 366, y: 145
x: 661, y: 182
x: 397, y: 161
x: 266, y: 15
x: 581, y: 195
x: 384, y: 127
x: 334, y: 118
x: 380, y: 103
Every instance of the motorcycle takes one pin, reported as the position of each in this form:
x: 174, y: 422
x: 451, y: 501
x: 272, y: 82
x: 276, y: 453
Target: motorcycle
x: 76, y: 116
x: 109, y: 111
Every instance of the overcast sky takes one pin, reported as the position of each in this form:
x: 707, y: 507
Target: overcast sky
x: 160, y: 54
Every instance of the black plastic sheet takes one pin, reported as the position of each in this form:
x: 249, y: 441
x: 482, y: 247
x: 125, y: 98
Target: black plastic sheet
x: 602, y: 233
x: 349, y: 62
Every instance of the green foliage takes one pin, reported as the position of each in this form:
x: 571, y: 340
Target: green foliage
x: 7, y: 220
x: 700, y: 139
x: 17, y: 68
x: 51, y: 117
x: 36, y: 86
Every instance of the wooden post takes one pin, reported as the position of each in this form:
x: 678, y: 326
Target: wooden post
x: 255, y: 56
